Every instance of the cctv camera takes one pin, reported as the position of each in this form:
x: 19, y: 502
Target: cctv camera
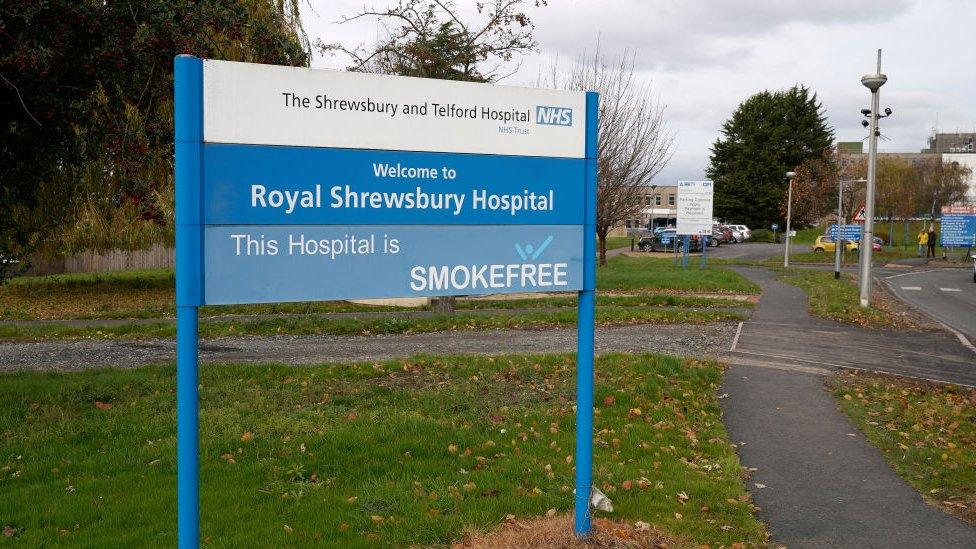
x: 887, y: 111
x: 865, y: 112
x: 864, y: 123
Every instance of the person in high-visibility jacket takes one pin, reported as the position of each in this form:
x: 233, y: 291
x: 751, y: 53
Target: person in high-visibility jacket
x: 923, y: 241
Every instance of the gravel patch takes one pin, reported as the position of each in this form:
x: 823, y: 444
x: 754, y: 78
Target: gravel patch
x: 702, y: 341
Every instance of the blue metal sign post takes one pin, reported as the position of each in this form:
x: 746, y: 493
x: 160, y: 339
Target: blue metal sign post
x: 401, y: 202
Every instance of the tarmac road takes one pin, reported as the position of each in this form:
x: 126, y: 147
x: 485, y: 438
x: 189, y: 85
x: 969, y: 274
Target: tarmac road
x: 946, y: 294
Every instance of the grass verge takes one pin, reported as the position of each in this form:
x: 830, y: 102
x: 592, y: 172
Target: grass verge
x: 927, y: 433
x: 837, y: 299
x: 318, y: 325
x: 647, y: 274
x: 399, y: 453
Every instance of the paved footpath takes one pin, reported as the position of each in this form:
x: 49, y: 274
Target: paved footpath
x: 818, y: 481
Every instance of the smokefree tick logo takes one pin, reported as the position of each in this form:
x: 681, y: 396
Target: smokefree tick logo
x: 530, y: 251
x: 554, y: 116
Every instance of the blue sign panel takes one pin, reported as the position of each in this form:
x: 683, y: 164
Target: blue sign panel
x: 847, y: 232
x: 312, y: 262
x: 958, y: 230
x: 265, y: 185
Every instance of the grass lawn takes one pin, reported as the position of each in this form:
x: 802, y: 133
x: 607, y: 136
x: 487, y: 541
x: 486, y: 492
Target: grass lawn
x: 401, y: 453
x: 644, y: 274
x: 614, y: 242
x: 926, y: 431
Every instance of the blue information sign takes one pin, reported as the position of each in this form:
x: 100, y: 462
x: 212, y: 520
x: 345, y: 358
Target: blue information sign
x: 958, y: 230
x: 302, y: 185
x: 847, y: 232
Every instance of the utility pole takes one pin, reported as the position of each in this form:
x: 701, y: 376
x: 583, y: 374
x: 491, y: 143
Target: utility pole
x: 789, y: 213
x: 838, y: 241
x: 872, y: 82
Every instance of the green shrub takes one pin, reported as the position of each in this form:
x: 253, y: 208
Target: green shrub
x: 762, y: 235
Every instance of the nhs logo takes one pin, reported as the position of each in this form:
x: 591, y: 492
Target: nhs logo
x: 554, y: 116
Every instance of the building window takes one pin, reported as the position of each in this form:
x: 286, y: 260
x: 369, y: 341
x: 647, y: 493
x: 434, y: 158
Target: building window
x: 628, y: 223
x: 670, y: 200
x: 657, y: 200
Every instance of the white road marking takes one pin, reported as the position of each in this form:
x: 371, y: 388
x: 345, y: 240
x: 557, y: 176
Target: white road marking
x: 735, y: 341
x: 950, y: 289
x: 913, y: 288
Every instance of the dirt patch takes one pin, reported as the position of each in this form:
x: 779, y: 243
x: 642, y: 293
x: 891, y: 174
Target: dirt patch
x: 556, y: 532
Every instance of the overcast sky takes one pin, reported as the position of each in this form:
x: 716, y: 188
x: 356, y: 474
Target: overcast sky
x: 704, y: 58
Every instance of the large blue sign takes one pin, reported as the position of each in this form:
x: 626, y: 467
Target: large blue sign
x: 958, y: 230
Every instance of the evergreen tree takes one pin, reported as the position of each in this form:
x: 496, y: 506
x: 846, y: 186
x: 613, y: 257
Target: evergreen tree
x: 768, y: 135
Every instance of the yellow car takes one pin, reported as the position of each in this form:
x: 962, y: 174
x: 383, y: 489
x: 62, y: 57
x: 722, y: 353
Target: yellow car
x: 825, y: 243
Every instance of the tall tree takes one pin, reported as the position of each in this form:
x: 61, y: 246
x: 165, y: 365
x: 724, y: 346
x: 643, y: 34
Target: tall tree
x: 433, y: 39
x: 86, y: 109
x: 768, y: 135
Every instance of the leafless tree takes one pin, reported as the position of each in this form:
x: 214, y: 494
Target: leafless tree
x: 940, y: 183
x: 435, y: 39
x: 635, y: 142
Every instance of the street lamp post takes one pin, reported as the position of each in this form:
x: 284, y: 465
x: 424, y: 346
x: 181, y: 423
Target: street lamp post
x: 789, y: 214
x: 872, y: 82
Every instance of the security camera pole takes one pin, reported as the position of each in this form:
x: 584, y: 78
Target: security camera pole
x: 872, y: 82
x: 789, y: 213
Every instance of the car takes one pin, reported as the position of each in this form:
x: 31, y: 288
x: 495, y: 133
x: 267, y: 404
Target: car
x: 720, y: 235
x: 876, y: 243
x: 741, y: 232
x: 658, y: 230
x: 728, y: 233
x: 666, y: 241
x: 825, y: 243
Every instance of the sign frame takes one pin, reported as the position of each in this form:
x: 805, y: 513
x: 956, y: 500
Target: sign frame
x: 189, y: 145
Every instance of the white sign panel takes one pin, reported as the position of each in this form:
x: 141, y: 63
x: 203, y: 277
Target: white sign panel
x: 271, y: 105
x: 695, y: 200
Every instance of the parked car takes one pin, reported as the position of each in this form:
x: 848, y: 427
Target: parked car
x: 741, y: 232
x: 825, y: 243
x: 665, y: 241
x: 723, y: 234
x: 876, y: 243
x: 720, y: 235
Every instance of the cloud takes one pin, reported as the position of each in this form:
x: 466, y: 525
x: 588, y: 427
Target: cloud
x: 675, y: 36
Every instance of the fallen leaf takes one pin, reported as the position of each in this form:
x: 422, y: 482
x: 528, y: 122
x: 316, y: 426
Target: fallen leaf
x: 103, y: 405
x: 551, y: 513
x: 641, y: 526
x: 626, y: 485
x: 344, y: 527
x: 288, y: 529
x: 248, y: 436
x: 228, y: 457
x: 9, y: 532
x: 609, y: 401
